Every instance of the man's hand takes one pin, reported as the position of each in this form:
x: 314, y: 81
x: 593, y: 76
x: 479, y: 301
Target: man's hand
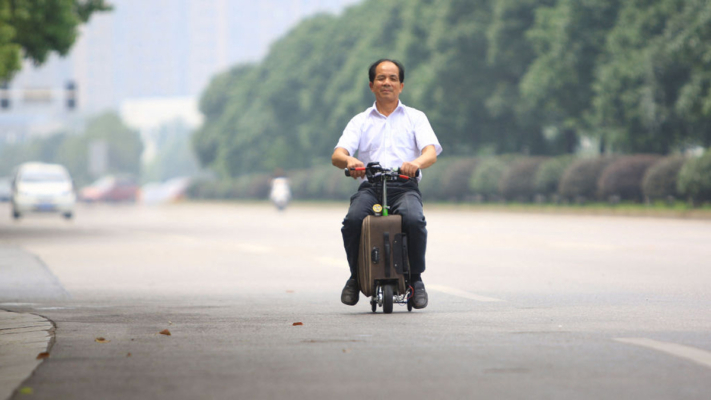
x: 354, y: 163
x: 342, y: 159
x: 410, y: 168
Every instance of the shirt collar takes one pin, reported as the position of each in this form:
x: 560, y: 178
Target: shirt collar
x: 374, y: 109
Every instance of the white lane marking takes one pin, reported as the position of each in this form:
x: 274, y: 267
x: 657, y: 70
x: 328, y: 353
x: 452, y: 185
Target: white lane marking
x: 461, y: 293
x: 698, y: 356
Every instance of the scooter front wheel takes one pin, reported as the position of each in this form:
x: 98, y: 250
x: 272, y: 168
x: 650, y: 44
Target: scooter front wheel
x: 388, y: 299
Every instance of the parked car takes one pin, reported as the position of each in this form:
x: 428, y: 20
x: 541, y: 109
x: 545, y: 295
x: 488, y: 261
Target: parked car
x: 40, y: 187
x: 111, y: 189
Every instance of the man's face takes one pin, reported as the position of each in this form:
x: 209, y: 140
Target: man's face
x: 386, y: 86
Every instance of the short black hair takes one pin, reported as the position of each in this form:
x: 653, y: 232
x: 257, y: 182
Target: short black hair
x: 371, y: 70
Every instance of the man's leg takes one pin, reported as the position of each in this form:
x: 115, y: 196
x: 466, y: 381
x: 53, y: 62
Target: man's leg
x: 361, y: 206
x: 407, y: 202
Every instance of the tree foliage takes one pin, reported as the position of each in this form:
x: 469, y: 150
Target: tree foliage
x: 72, y: 150
x: 504, y: 76
x: 35, y: 28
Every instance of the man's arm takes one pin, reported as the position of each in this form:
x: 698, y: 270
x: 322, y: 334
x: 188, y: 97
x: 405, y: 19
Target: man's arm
x: 425, y: 160
x: 342, y: 159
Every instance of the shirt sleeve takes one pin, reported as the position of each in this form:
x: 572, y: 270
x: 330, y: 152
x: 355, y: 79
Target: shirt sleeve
x: 424, y: 134
x: 350, y: 139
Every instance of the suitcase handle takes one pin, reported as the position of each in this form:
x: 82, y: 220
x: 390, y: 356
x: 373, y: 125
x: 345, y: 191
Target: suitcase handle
x: 386, y: 247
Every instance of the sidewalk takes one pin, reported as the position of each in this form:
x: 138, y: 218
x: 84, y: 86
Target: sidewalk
x: 23, y: 278
x: 22, y: 338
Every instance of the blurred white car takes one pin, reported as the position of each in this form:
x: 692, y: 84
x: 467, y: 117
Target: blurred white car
x: 40, y: 187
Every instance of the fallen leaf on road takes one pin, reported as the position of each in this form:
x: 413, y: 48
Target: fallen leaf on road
x: 42, y: 356
x: 101, y: 340
x: 26, y: 390
x: 128, y: 355
x: 165, y: 332
x: 346, y: 350
x: 298, y: 323
x: 170, y: 322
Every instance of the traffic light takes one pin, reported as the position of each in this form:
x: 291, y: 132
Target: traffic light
x: 71, y: 90
x: 5, y: 95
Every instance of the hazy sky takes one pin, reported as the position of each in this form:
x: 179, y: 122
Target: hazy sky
x: 166, y: 48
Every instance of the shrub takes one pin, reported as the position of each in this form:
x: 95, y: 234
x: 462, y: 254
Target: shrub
x: 318, y: 181
x: 695, y: 178
x: 580, y: 179
x: 455, y: 179
x: 623, y: 177
x: 485, y: 179
x: 433, y: 179
x: 660, y: 180
x: 340, y: 187
x: 550, y: 172
x: 297, y: 183
x: 517, y: 183
x: 210, y: 189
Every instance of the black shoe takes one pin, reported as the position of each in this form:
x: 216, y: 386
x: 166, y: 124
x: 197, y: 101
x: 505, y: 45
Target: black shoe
x: 419, y: 300
x: 350, y: 293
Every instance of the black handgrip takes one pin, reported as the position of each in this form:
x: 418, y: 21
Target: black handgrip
x: 347, y: 171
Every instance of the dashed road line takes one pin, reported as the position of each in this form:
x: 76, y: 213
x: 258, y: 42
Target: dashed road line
x: 698, y: 356
x: 461, y: 293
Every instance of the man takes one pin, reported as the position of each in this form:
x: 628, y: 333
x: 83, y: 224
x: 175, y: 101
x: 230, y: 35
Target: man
x: 396, y: 136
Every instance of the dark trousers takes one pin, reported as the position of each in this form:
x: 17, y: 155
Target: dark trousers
x: 404, y: 199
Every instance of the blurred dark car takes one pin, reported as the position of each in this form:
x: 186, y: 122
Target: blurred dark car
x: 111, y: 189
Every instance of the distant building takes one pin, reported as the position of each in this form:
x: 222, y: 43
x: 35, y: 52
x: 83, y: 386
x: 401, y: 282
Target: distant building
x: 148, y: 49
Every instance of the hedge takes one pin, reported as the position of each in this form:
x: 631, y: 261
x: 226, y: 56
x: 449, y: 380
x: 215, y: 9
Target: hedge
x: 512, y: 177
x: 660, y: 180
x: 623, y: 178
x: 580, y: 179
x: 518, y: 182
x: 550, y: 172
x: 485, y: 179
x: 455, y: 180
x: 695, y: 178
x: 433, y: 179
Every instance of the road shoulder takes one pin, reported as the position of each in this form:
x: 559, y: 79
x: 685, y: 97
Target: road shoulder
x: 22, y: 338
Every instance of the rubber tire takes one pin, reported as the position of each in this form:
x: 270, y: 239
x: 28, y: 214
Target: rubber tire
x: 68, y: 215
x: 16, y: 215
x: 387, y: 299
x: 373, y: 305
x: 409, y: 305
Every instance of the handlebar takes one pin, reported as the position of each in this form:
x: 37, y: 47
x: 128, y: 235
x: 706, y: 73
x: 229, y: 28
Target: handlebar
x: 374, y: 172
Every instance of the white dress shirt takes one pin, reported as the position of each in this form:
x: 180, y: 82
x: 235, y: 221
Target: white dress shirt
x: 392, y: 140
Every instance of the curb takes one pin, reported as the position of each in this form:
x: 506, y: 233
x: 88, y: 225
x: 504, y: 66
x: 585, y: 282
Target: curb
x: 22, y: 338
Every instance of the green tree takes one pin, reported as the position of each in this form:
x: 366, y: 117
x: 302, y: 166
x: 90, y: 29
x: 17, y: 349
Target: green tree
x: 124, y: 148
x: 652, y: 87
x: 509, y: 55
x: 35, y: 28
x: 568, y: 38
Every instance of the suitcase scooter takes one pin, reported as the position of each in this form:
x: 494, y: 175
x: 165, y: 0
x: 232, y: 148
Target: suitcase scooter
x: 383, y: 267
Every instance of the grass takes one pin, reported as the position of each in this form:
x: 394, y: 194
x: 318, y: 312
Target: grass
x: 660, y: 209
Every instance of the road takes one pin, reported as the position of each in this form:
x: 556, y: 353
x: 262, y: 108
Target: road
x: 522, y: 306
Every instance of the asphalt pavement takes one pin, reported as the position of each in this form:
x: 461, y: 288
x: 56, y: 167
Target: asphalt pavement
x: 521, y: 306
